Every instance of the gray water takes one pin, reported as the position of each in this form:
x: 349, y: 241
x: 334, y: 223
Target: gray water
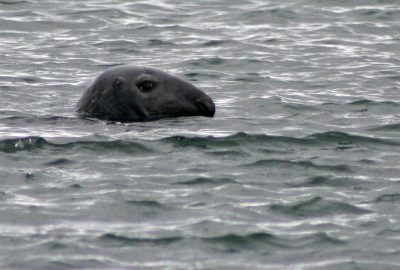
x: 299, y: 169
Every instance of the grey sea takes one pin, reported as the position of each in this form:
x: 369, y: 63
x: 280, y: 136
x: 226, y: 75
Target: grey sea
x: 299, y: 168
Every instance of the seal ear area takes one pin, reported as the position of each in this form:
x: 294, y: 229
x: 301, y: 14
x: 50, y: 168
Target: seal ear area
x: 118, y: 84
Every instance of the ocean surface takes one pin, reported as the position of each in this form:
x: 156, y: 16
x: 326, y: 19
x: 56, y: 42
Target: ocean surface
x: 299, y: 168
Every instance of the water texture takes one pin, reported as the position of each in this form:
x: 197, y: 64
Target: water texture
x: 299, y: 169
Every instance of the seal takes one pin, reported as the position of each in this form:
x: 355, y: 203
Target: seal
x: 128, y: 93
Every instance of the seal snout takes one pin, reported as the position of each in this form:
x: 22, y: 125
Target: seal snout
x: 206, y: 106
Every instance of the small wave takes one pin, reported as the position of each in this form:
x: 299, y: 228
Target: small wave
x: 111, y: 239
x: 235, y: 242
x: 207, y: 181
x: 315, y: 239
x: 99, y: 12
x: 29, y: 176
x: 4, y: 196
x: 303, y: 164
x: 390, y: 127
x: 37, y: 143
x: 43, y: 119
x: 75, y: 186
x: 235, y: 140
x: 54, y: 245
x: 159, y: 42
x: 201, y: 142
x: 317, y: 139
x: 230, y: 243
x: 256, y: 241
x: 122, y: 146
x: 300, y: 107
x: 342, y: 138
x: 204, y: 62
x: 22, y: 77
x: 274, y: 14
x: 215, y: 42
x: 369, y: 102
x: 118, y: 45
x: 389, y: 198
x: 148, y: 208
x: 147, y: 203
x: 333, y: 138
x: 361, y: 106
x: 194, y: 76
x: 318, y: 207
x: 60, y: 162
x: 115, y: 43
x: 23, y: 144
x: 12, y: 2
x: 377, y: 14
x: 326, y: 180
x: 250, y: 78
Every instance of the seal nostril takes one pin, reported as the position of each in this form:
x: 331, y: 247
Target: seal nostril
x: 206, y: 106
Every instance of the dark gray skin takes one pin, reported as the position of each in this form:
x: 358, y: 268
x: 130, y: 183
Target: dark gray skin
x: 128, y: 93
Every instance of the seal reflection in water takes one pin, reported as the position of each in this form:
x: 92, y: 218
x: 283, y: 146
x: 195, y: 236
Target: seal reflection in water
x: 128, y: 93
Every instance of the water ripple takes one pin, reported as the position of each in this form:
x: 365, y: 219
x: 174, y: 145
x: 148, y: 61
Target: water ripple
x: 317, y: 206
x: 299, y: 168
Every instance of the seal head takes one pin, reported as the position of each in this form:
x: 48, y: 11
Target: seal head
x: 128, y: 93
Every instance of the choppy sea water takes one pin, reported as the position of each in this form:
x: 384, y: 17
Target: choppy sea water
x: 299, y: 169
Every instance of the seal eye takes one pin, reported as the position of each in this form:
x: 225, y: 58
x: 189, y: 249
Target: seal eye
x: 146, y: 86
